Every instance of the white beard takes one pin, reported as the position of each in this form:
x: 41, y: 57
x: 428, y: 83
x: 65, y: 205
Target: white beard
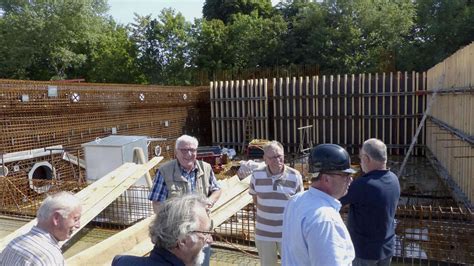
x: 200, y: 257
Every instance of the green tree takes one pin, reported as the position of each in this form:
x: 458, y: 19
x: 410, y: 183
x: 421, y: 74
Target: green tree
x: 441, y: 28
x: 225, y: 9
x: 256, y: 41
x: 163, y: 45
x: 113, y: 58
x: 347, y: 36
x: 47, y: 39
x: 209, y: 46
x: 248, y: 41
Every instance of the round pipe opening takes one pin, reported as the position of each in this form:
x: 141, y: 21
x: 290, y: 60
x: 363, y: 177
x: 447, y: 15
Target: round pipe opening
x: 39, y: 173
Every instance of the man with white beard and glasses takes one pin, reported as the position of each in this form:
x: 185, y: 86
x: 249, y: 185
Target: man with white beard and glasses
x: 180, y: 231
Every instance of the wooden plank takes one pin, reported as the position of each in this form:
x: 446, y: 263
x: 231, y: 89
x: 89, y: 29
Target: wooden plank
x: 233, y: 122
x: 226, y: 114
x: 259, y: 109
x: 280, y: 121
x: 307, y: 107
x: 368, y: 108
x: 391, y: 120
x: 251, y: 106
x: 384, y: 111
x: 300, y: 114
x: 405, y: 111
x: 135, y: 239
x: 286, y: 114
x: 238, y: 113
x: 331, y: 110
x: 323, y: 108
x: 220, y: 125
x: 345, y: 110
x: 213, y: 113
x: 293, y: 117
x: 376, y: 108
x: 98, y: 195
x: 353, y: 111
x: 123, y: 242
x: 398, y: 110
x: 265, y: 92
x: 276, y: 136
x: 312, y: 108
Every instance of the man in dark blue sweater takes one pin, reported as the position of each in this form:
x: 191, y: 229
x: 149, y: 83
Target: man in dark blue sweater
x: 373, y: 200
x: 180, y: 231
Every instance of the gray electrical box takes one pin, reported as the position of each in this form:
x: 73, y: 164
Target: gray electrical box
x: 104, y: 155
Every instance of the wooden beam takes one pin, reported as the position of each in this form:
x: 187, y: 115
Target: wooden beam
x: 135, y: 239
x: 98, y: 195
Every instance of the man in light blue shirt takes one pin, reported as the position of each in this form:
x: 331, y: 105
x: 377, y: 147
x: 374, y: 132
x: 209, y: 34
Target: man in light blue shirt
x: 313, y: 230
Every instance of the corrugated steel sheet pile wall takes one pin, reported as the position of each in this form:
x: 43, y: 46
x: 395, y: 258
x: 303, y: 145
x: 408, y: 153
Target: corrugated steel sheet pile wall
x: 450, y: 127
x: 35, y: 115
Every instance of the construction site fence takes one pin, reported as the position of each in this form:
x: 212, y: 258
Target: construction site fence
x: 300, y: 112
x: 424, y: 234
x: 450, y: 127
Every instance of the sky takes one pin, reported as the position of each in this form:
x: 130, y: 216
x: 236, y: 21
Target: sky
x: 122, y: 10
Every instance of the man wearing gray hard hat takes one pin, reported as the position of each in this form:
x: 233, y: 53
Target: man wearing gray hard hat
x: 313, y: 230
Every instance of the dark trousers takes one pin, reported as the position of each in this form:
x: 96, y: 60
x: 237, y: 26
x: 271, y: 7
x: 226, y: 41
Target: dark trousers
x: 364, y: 262
x: 207, y: 258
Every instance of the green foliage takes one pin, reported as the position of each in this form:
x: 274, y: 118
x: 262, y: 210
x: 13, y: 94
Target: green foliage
x: 209, y: 45
x: 47, y: 39
x: 441, y: 28
x: 247, y: 42
x: 255, y: 41
x: 113, y: 58
x: 163, y: 45
x: 347, y: 36
x: 225, y: 9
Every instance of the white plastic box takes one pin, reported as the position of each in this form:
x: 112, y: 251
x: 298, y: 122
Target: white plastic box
x: 103, y: 156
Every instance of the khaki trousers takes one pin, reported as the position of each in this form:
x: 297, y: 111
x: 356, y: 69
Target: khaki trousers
x: 268, y: 252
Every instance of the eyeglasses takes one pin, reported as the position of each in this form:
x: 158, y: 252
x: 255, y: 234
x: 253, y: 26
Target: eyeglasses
x: 207, y: 233
x: 276, y: 157
x: 188, y: 150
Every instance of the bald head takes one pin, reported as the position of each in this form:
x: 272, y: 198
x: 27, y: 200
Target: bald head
x: 373, y: 155
x: 376, y: 150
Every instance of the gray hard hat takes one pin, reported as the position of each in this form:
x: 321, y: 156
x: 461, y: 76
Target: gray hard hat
x: 329, y: 158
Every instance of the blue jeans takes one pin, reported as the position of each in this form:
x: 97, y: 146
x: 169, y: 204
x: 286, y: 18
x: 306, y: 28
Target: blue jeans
x: 364, y: 262
x: 207, y: 258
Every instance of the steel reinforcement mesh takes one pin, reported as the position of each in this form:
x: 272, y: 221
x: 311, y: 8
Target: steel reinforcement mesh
x: 424, y: 234
x: 441, y: 235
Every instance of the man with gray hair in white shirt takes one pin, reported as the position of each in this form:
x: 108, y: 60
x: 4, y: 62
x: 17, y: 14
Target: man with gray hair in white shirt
x: 58, y: 216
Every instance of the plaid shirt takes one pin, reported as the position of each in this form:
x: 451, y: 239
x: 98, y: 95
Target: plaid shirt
x: 159, y: 191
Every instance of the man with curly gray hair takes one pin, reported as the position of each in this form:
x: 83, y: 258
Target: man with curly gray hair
x: 180, y: 232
